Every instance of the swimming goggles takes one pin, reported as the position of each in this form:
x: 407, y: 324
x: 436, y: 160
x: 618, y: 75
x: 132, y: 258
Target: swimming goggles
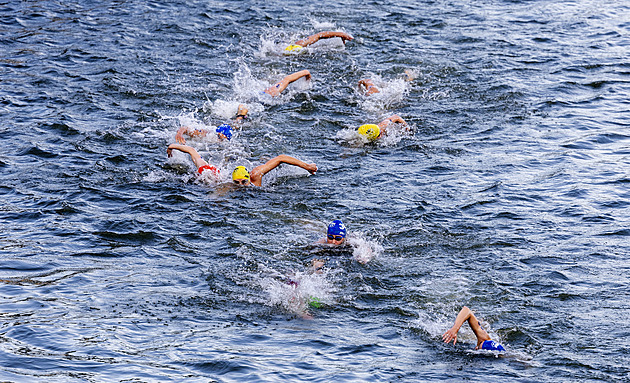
x: 335, y: 237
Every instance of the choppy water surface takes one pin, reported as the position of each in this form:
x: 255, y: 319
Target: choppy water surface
x: 510, y: 195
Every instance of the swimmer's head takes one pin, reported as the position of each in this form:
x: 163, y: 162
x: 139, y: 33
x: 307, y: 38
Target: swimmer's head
x: 224, y: 130
x: 370, y: 131
x: 240, y: 175
x: 336, y: 233
x: 293, y: 48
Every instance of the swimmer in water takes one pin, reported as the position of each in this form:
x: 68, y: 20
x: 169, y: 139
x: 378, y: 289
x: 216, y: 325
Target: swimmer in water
x: 276, y: 89
x: 374, y: 132
x: 484, y: 342
x: 298, y: 45
x: 223, y: 131
x: 336, y: 236
x: 367, y: 86
x: 240, y: 175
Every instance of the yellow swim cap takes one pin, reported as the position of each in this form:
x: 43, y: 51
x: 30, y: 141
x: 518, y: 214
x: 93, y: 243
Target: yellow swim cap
x: 370, y: 131
x: 293, y: 48
x: 240, y: 173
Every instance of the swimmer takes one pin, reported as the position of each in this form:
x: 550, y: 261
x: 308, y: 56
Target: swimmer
x: 374, y: 132
x: 367, y: 86
x: 300, y: 298
x: 223, y: 131
x: 276, y: 89
x: 298, y: 45
x: 483, y: 339
x: 240, y: 175
x: 336, y: 235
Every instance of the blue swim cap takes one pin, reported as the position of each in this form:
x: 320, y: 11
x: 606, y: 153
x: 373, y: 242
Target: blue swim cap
x: 492, y: 346
x: 226, y: 130
x: 337, y: 227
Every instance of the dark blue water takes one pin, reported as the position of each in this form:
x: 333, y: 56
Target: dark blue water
x: 511, y: 195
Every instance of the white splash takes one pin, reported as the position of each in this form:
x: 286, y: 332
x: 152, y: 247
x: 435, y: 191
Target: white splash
x: 299, y: 292
x: 391, y: 93
x: 364, y: 250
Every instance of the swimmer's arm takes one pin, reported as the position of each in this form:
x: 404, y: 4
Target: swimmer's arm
x: 368, y: 86
x: 393, y: 119
x: 451, y: 334
x: 282, y: 85
x: 297, y: 75
x: 196, y: 158
x: 323, y: 35
x: 366, y: 82
x: 179, y: 136
x: 259, y: 171
x: 480, y: 333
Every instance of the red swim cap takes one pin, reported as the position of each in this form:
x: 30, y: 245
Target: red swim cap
x: 211, y: 168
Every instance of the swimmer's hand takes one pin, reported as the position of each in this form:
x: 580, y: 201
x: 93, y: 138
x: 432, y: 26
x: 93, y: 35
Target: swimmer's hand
x: 312, y: 168
x: 169, y: 152
x: 345, y: 37
x: 449, y: 335
x: 179, y: 136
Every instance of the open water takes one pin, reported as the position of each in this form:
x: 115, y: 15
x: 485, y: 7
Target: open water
x: 510, y: 195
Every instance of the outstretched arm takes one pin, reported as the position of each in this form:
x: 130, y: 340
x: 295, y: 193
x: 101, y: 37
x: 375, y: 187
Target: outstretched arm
x: 179, y: 136
x: 259, y: 171
x: 196, y: 158
x: 323, y: 35
x: 282, y: 85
